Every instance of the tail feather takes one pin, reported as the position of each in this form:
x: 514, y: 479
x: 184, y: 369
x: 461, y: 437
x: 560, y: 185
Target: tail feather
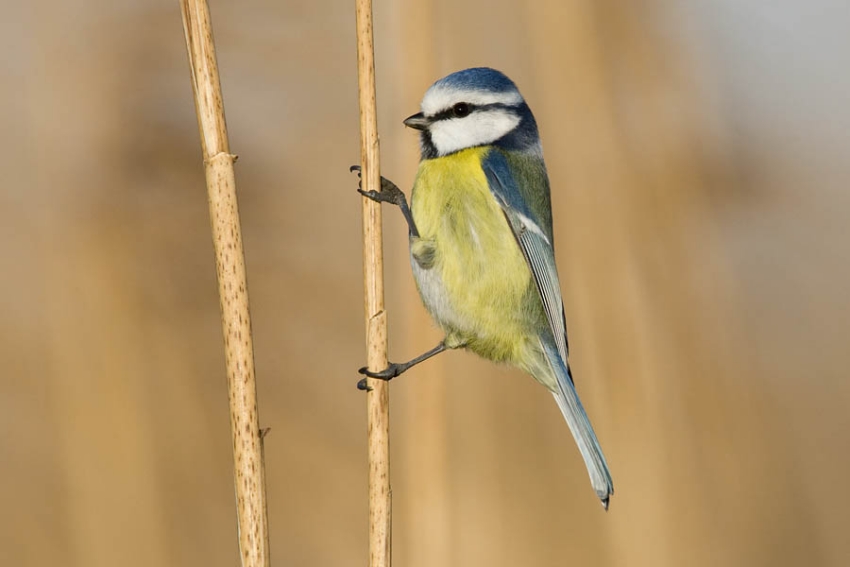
x: 585, y: 438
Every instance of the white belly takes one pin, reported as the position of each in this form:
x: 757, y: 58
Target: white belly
x: 437, y: 299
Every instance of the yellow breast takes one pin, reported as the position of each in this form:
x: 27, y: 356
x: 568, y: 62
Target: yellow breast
x: 477, y: 284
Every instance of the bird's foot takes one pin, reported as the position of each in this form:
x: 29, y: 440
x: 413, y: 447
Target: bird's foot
x: 387, y: 374
x: 389, y: 193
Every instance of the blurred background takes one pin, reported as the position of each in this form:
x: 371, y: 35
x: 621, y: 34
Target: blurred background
x: 698, y: 153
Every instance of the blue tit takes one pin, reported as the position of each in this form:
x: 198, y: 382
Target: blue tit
x: 481, y: 245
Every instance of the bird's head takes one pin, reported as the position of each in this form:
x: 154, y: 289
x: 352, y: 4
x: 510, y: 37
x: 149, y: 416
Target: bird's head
x: 474, y: 107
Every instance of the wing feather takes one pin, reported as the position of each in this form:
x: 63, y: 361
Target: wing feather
x: 533, y: 233
x: 534, y: 239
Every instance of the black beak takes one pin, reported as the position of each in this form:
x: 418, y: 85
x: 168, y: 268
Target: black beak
x: 418, y: 121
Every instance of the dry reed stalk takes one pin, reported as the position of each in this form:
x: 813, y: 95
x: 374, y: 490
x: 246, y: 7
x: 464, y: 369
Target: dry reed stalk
x: 249, y: 472
x: 380, y: 498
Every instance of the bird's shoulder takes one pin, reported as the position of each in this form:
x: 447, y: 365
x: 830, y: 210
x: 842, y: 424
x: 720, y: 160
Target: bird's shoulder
x: 520, y: 182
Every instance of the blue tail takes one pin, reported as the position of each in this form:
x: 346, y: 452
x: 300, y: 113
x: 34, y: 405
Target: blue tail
x: 585, y: 438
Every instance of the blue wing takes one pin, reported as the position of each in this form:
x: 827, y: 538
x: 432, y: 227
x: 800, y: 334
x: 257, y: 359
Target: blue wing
x: 527, y: 210
x: 534, y: 236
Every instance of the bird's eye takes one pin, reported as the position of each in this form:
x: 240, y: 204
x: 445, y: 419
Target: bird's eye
x: 460, y: 110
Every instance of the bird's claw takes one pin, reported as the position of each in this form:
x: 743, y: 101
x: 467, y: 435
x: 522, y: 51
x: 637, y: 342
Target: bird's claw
x: 389, y: 193
x: 391, y: 371
x: 387, y: 374
x: 374, y: 195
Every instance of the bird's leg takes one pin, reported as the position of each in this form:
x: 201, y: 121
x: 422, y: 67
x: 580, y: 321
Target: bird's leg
x: 389, y: 193
x: 394, y: 368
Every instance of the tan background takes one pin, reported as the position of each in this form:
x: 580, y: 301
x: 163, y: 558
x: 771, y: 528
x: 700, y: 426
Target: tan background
x: 699, y: 160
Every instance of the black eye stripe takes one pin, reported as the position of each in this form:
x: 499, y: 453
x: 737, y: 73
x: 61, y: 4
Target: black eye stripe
x: 450, y: 112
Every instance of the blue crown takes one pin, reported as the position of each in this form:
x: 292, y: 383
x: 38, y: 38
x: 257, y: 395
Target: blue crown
x: 478, y: 79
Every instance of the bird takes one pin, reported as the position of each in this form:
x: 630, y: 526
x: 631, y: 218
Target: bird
x: 481, y: 241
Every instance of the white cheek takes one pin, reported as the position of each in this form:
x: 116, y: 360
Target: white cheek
x: 477, y: 129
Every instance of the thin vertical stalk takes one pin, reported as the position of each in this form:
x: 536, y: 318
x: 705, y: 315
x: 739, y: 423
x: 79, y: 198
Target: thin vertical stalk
x: 249, y: 473
x: 380, y: 499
